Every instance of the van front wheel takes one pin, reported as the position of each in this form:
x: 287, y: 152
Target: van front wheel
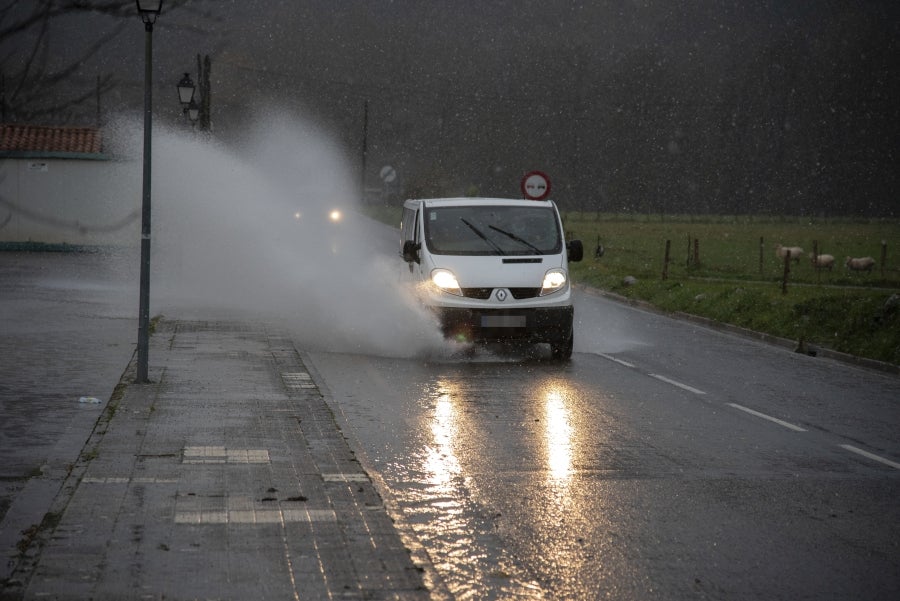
x: 562, y: 351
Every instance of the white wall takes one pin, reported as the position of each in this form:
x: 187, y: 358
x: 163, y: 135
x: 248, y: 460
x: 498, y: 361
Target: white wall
x: 77, y: 202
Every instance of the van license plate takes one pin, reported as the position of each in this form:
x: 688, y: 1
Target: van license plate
x: 503, y: 321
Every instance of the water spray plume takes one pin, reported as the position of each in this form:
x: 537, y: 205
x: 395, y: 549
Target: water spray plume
x: 250, y: 233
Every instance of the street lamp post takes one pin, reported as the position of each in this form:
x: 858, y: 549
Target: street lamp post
x: 149, y: 10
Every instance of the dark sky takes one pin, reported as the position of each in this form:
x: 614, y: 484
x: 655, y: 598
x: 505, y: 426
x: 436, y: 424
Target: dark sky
x: 687, y: 106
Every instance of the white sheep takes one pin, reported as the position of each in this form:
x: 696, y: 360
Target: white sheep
x: 782, y: 251
x: 822, y: 261
x: 860, y: 264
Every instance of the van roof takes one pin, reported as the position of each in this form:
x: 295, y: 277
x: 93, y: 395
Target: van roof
x: 466, y: 201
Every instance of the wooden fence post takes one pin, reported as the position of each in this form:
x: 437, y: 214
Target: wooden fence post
x: 883, y: 256
x: 665, y: 273
x: 761, y: 255
x: 787, y: 271
x: 815, y: 258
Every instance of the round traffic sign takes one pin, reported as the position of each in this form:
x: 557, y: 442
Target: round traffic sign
x: 536, y: 185
x: 388, y: 174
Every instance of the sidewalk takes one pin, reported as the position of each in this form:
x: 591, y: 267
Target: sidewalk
x: 227, y: 478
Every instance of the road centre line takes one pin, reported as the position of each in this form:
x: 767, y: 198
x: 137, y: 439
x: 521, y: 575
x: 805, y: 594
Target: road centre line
x: 775, y: 420
x: 678, y: 384
x: 619, y: 361
x: 657, y: 376
x: 768, y: 417
x: 871, y: 456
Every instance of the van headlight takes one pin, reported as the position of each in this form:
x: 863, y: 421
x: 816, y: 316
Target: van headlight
x: 554, y: 280
x: 446, y: 281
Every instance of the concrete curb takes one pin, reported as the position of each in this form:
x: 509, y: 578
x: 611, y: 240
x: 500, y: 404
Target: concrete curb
x: 418, y: 552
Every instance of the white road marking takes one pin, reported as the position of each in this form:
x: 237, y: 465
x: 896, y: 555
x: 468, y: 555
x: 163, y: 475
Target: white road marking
x: 126, y: 480
x: 345, y: 477
x: 678, y: 384
x: 619, y: 361
x: 871, y: 456
x: 297, y: 380
x: 255, y: 516
x: 768, y: 417
x: 223, y: 455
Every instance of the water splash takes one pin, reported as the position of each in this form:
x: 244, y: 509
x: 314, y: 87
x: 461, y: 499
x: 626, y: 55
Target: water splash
x: 245, y: 232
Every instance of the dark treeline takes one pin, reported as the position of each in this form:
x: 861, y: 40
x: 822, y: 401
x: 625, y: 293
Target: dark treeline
x: 786, y: 107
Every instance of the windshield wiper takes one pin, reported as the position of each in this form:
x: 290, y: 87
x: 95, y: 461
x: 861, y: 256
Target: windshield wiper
x: 519, y: 239
x: 481, y: 235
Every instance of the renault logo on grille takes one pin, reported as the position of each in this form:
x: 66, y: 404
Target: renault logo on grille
x: 501, y: 295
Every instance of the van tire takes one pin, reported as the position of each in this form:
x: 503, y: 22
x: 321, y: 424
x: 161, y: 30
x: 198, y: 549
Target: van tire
x: 563, y: 350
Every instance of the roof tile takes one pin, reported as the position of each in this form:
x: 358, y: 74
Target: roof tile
x: 38, y: 138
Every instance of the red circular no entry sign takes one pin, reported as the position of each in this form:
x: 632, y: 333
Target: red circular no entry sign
x: 535, y: 185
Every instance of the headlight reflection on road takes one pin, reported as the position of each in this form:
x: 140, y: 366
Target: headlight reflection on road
x: 441, y: 463
x: 444, y: 513
x: 560, y: 439
x: 558, y: 435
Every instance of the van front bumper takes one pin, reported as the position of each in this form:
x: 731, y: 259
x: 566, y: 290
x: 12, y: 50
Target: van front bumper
x: 540, y: 324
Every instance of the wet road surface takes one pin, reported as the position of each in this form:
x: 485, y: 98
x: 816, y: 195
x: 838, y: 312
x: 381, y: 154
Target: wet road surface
x: 67, y: 331
x: 667, y: 461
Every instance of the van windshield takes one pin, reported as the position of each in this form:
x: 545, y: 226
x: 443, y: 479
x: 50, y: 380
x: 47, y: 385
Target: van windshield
x: 492, y: 230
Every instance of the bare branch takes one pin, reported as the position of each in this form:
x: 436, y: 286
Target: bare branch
x: 35, y: 85
x: 55, y: 8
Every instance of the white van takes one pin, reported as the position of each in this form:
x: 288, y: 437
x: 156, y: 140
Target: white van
x: 492, y: 269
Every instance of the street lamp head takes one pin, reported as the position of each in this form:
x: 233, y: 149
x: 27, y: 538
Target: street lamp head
x: 149, y: 10
x: 185, y: 90
x: 193, y: 111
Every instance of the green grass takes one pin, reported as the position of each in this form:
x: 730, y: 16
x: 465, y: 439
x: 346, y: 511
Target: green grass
x: 738, y: 279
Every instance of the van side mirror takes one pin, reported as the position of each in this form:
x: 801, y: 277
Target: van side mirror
x: 575, y: 250
x: 411, y: 251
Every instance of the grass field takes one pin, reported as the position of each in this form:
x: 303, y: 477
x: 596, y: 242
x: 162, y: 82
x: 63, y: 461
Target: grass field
x: 734, y: 277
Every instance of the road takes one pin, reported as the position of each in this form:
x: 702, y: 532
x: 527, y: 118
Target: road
x: 666, y: 461
x: 67, y: 332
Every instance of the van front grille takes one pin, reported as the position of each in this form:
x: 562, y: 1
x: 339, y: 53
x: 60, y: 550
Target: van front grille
x: 520, y: 293
x: 479, y: 293
x: 485, y: 293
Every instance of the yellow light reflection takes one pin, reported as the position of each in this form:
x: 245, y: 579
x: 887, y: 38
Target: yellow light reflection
x: 445, y: 512
x: 441, y: 463
x: 559, y: 434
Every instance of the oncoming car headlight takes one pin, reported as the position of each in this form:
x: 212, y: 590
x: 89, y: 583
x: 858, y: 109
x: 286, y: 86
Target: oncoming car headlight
x: 554, y: 280
x: 446, y: 281
x: 335, y: 216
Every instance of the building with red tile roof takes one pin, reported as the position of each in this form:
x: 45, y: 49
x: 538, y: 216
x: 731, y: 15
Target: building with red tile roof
x: 59, y: 189
x: 39, y: 141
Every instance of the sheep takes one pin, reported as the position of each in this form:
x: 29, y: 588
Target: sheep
x: 860, y: 264
x: 782, y: 251
x: 821, y: 261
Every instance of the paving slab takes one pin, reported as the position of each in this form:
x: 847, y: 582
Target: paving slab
x: 227, y: 477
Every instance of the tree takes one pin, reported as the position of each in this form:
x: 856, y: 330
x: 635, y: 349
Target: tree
x: 35, y: 85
